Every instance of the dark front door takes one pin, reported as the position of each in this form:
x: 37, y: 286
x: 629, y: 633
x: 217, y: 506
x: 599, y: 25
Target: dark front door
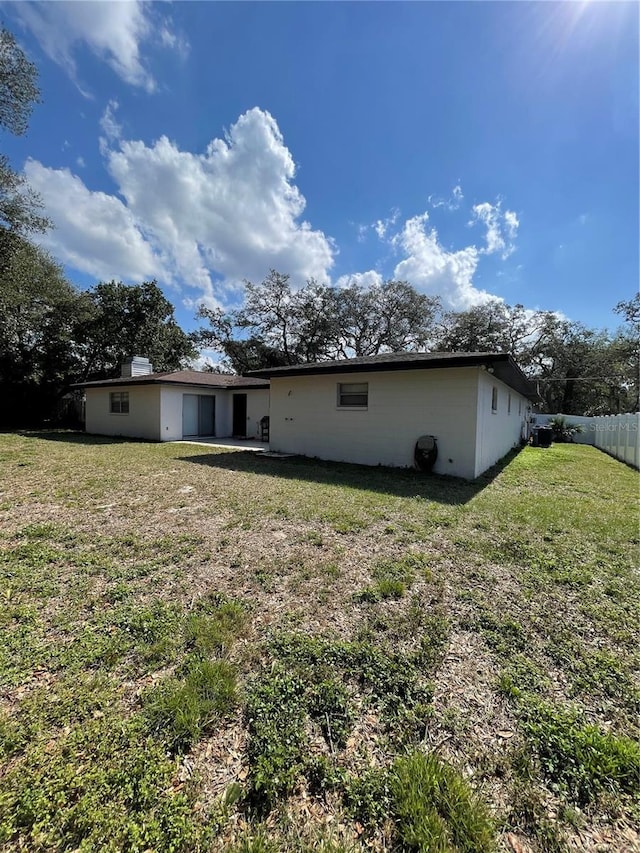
x: 240, y: 415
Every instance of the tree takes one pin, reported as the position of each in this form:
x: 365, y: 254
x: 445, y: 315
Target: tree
x: 126, y: 320
x: 627, y: 348
x: 20, y: 207
x: 577, y: 370
x: 18, y: 85
x: 389, y: 317
x: 277, y: 325
x: 497, y: 327
x: 630, y: 310
x: 39, y: 311
x: 52, y: 335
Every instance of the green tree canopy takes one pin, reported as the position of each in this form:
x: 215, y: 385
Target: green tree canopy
x: 18, y: 85
x: 20, y: 207
x: 278, y: 325
x: 127, y: 320
x: 39, y: 313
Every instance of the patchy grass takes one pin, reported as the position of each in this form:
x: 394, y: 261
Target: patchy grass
x: 206, y: 650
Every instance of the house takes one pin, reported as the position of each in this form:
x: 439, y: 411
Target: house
x: 374, y: 410
x: 170, y: 406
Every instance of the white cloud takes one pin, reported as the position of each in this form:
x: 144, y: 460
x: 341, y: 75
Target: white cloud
x: 502, y: 228
x: 367, y: 279
x: 451, y: 203
x: 110, y: 127
x: 94, y: 232
x: 382, y: 226
x: 207, y: 220
x: 80, y: 162
x: 512, y: 224
x: 113, y: 31
x: 433, y: 269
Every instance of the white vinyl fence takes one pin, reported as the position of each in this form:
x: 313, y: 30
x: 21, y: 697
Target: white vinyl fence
x: 617, y: 435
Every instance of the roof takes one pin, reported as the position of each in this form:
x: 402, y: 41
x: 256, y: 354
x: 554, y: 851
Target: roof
x: 501, y: 364
x: 181, y: 377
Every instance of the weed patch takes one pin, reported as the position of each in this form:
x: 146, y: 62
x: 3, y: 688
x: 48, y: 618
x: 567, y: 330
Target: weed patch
x: 106, y: 785
x: 182, y: 711
x: 578, y: 758
x: 393, y: 578
x: 275, y: 719
x: 435, y: 808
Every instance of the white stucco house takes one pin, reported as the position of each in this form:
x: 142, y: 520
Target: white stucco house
x: 373, y: 410
x: 171, y: 406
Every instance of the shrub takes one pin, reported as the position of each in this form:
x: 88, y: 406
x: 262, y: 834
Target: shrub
x: 563, y: 430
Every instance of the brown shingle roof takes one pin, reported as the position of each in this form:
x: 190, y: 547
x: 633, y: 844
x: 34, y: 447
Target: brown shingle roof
x: 181, y: 377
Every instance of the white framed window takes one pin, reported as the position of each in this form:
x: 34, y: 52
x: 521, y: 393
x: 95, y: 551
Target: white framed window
x: 353, y: 395
x: 509, y: 404
x: 519, y: 407
x: 119, y: 402
x: 494, y: 400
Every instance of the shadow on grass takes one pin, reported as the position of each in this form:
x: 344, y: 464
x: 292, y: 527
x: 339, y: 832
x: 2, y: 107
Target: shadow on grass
x: 399, y: 482
x: 76, y: 437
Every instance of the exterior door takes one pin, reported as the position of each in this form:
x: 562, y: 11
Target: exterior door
x: 240, y: 415
x: 198, y: 414
x: 207, y: 415
x: 189, y: 414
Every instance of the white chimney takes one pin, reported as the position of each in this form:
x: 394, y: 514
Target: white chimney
x: 136, y: 366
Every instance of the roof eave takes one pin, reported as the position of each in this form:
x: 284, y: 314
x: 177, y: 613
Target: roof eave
x: 116, y: 383
x: 347, y: 366
x: 501, y: 364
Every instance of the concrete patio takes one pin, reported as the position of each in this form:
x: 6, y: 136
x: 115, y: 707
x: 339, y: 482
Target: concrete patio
x: 238, y: 443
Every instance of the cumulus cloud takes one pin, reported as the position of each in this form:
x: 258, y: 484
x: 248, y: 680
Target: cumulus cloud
x: 112, y: 31
x: 435, y: 270
x: 94, y: 232
x: 367, y: 279
x: 205, y: 220
x: 502, y: 228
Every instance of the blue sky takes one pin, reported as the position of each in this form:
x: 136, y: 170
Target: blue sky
x: 473, y: 149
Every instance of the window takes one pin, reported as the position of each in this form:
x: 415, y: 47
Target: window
x: 119, y: 403
x: 353, y: 394
x: 509, y: 405
x: 494, y: 399
x: 519, y: 407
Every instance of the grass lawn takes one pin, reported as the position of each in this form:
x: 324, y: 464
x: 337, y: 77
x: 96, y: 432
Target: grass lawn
x: 202, y: 649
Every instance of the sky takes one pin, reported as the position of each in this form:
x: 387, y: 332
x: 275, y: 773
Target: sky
x: 474, y: 149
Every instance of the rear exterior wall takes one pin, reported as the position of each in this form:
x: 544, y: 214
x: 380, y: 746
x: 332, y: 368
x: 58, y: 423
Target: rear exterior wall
x: 142, y: 421
x: 171, y: 409
x: 402, y: 405
x: 499, y: 430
